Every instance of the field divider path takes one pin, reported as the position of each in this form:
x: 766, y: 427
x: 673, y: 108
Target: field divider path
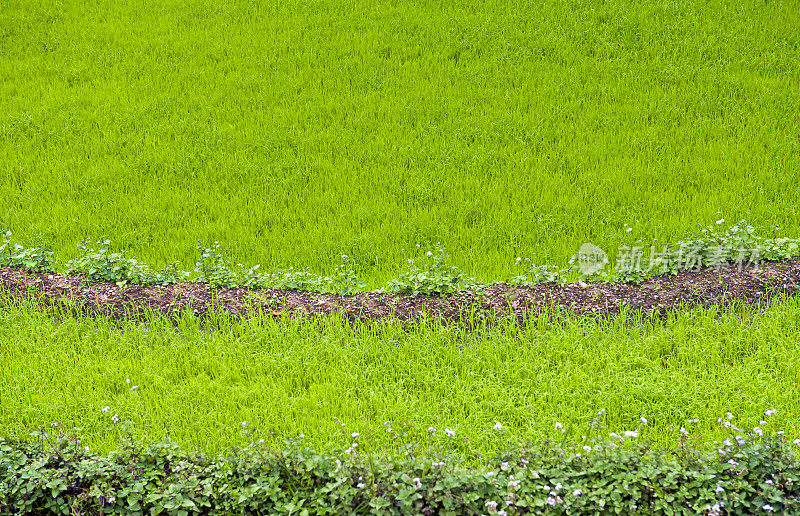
x: 661, y: 294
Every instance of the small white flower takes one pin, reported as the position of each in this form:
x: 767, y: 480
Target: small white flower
x: 429, y: 253
x: 629, y: 230
x: 504, y: 466
x: 128, y: 381
x: 770, y: 412
x: 450, y: 432
x: 730, y: 416
x: 244, y: 424
x: 134, y: 388
x: 513, y: 484
x: 86, y: 449
x: 431, y: 430
x: 684, y: 432
x: 360, y: 485
x: 797, y: 442
x: 719, y: 489
x: 498, y: 426
x: 631, y: 433
x: 587, y: 448
x: 302, y: 436
x: 732, y: 462
x: 115, y: 418
x: 112, y: 500
x: 502, y: 513
x: 105, y: 409
x: 643, y: 420
x: 577, y: 492
x: 491, y: 505
x: 762, y: 422
x: 558, y: 487
x: 720, y: 221
x: 768, y: 508
x: 758, y: 431
x: 553, y: 499
x: 518, y: 259
x: 354, y: 435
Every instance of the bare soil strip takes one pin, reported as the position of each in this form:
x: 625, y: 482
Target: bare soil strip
x: 662, y: 294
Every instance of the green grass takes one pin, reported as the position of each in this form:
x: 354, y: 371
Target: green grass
x: 293, y: 377
x: 294, y: 132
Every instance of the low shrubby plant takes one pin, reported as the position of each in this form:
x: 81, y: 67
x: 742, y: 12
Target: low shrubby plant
x: 751, y: 472
x: 435, y: 277
x: 535, y: 274
x: 283, y: 278
x: 214, y: 267
x: 100, y: 264
x: 345, y: 280
x: 29, y: 259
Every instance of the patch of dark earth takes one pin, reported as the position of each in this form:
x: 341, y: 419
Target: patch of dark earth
x: 656, y: 296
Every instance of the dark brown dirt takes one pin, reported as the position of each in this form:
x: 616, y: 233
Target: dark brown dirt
x: 658, y: 295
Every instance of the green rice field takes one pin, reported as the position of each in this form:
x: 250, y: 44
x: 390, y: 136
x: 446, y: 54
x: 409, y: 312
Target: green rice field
x: 291, y: 377
x: 296, y: 132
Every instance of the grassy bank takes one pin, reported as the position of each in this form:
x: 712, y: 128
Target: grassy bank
x: 291, y: 377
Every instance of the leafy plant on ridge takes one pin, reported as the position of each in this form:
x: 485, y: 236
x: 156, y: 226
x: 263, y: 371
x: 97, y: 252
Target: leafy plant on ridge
x: 30, y: 259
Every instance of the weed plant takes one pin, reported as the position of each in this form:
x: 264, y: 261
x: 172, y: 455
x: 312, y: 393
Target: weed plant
x: 436, y: 277
x: 30, y: 259
x: 739, y: 245
x: 99, y: 264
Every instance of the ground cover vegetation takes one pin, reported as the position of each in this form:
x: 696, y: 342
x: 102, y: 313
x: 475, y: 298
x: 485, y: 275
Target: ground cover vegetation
x: 338, y: 145
x: 713, y: 246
